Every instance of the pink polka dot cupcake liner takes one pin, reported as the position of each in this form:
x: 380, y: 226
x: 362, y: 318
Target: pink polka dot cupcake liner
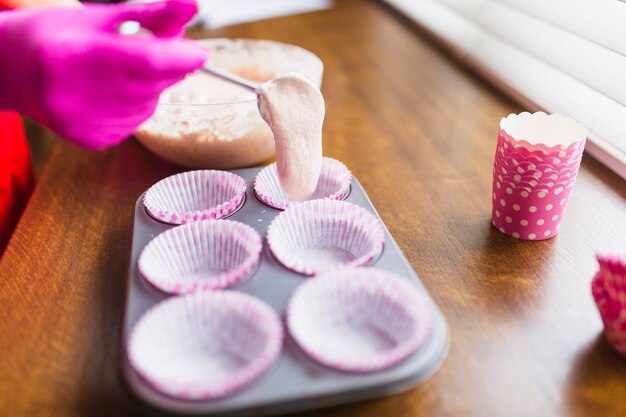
x: 205, y: 255
x: 608, y: 288
x: 531, y: 185
x: 542, y: 174
x: 358, y: 319
x: 316, y: 235
x: 517, y: 152
x: 334, y: 184
x: 535, y: 166
x: 528, y: 168
x: 195, y: 195
x: 522, y: 170
x: 205, y: 346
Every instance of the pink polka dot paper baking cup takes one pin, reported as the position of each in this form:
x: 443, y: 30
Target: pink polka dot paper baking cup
x: 195, y: 195
x: 205, y: 345
x: 205, y: 255
x: 529, y: 215
x: 609, y: 292
x: 334, y: 184
x: 316, y: 235
x: 530, y: 183
x: 542, y: 173
x: 358, y: 319
x: 535, y: 166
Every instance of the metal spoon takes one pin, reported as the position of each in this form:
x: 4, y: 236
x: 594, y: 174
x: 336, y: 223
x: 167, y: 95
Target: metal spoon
x: 134, y: 28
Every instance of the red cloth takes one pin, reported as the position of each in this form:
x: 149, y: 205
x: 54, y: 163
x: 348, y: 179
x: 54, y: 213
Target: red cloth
x: 16, y: 174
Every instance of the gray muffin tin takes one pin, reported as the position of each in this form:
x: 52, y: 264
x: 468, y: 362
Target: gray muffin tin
x: 295, y: 382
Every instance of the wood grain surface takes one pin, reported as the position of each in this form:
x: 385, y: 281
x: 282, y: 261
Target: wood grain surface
x: 419, y: 132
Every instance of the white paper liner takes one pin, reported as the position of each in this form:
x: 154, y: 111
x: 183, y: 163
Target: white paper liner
x: 334, y: 184
x: 205, y: 345
x: 204, y: 255
x: 195, y: 195
x: 358, y: 319
x: 549, y: 132
x: 316, y: 235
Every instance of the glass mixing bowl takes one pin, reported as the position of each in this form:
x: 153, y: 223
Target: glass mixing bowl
x: 204, y: 122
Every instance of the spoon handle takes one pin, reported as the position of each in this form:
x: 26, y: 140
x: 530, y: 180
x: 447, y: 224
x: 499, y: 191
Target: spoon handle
x: 232, y: 78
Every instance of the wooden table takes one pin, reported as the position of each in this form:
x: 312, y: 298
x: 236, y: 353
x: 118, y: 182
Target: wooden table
x: 419, y: 132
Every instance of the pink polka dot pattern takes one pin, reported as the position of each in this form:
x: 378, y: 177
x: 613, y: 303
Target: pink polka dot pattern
x: 532, y: 184
x: 609, y: 292
x: 526, y: 214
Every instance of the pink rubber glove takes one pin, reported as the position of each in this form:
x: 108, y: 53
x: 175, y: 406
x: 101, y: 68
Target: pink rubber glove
x: 70, y: 70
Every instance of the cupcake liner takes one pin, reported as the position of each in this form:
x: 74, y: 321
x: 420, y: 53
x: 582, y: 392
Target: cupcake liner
x: 542, y: 133
x: 524, y: 150
x: 316, y: 235
x: 533, y: 186
x: 535, y: 166
x: 358, y: 319
x: 334, y: 184
x: 608, y: 288
x: 523, y: 185
x: 205, y: 345
x: 550, y: 179
x: 511, y: 166
x: 203, y: 255
x: 524, y: 167
x: 538, y: 171
x: 195, y: 195
x: 519, y: 163
x: 534, y: 215
x: 545, y: 173
x: 545, y: 184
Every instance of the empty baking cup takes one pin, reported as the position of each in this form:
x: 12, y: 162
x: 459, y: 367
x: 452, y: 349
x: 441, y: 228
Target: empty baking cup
x: 195, y: 195
x: 535, y: 166
x: 609, y: 292
x: 313, y: 236
x: 334, y: 184
x: 205, y: 345
x: 358, y: 319
x: 534, y: 215
x: 205, y: 255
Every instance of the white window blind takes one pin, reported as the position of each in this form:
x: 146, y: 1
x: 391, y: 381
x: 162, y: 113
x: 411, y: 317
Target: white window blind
x: 567, y: 56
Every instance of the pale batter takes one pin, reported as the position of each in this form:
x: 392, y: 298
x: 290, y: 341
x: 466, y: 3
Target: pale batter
x: 293, y: 107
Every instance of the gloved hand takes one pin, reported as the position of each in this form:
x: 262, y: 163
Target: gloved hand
x: 70, y: 70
